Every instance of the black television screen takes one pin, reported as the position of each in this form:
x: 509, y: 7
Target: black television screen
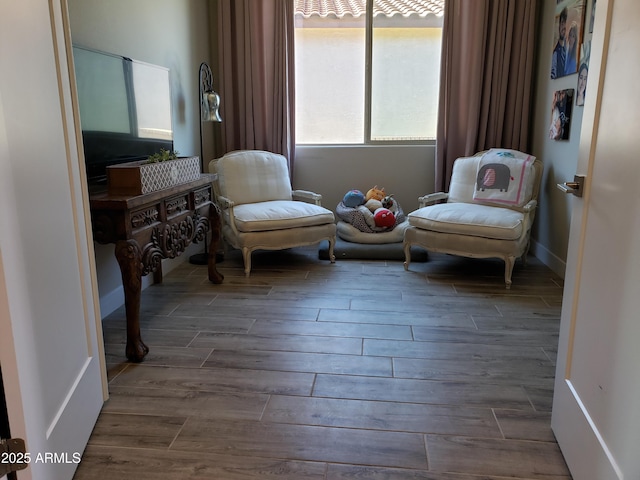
x: 125, y: 109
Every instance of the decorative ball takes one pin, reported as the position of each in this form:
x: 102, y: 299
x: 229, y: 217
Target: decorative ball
x: 384, y: 218
x: 353, y: 198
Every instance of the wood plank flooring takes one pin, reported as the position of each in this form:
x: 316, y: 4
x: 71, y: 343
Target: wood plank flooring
x: 356, y: 370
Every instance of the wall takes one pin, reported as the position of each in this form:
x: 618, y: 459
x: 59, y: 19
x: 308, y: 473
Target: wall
x: 551, y: 230
x: 330, y: 85
x: 162, y: 32
x: 405, y: 171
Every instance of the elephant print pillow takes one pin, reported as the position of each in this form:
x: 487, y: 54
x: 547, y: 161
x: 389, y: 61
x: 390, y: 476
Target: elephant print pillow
x: 504, y: 177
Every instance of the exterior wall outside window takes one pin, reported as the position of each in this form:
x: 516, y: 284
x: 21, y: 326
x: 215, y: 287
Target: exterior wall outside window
x: 330, y: 84
x: 330, y: 76
x: 405, y: 82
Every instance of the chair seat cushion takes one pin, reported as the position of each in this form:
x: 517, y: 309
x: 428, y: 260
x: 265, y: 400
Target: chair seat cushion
x: 469, y: 219
x: 279, y: 214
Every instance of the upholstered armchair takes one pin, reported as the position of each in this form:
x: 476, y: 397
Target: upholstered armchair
x: 261, y: 211
x: 488, y: 211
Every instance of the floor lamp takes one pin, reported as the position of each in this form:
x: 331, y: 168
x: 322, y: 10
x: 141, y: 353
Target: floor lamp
x: 209, y: 106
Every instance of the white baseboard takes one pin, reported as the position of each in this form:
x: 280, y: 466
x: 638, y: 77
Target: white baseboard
x: 552, y: 261
x: 111, y: 301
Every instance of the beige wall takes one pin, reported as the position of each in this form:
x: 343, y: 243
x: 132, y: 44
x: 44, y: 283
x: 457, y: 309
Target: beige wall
x: 405, y: 171
x: 330, y: 70
x: 162, y: 32
x: 551, y: 230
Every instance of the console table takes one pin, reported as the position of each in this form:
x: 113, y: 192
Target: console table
x: 148, y: 228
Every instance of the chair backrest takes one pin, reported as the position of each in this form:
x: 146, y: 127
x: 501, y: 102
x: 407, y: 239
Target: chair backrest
x: 464, y: 176
x: 250, y: 176
x: 463, y: 179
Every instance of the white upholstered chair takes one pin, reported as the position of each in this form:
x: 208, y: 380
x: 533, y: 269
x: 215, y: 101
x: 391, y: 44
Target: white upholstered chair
x: 260, y: 211
x: 478, y: 227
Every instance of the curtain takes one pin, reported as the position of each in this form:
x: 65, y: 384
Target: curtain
x: 256, y: 55
x: 486, y: 79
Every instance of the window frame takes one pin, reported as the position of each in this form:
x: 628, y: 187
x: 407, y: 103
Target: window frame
x: 368, y: 87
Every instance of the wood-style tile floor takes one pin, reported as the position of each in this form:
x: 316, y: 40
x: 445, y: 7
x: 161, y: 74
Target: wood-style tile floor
x: 356, y: 370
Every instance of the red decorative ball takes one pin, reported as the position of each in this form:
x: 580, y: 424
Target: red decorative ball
x: 384, y: 218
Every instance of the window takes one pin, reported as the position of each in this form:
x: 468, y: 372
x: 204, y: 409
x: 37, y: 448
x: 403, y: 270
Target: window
x: 367, y: 72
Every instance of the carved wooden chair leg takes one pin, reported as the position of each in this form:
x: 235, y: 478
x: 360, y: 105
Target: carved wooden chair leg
x: 509, y: 262
x: 407, y: 255
x: 246, y: 257
x: 332, y: 243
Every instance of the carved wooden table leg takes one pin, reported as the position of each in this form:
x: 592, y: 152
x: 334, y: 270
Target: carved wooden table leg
x: 215, y: 223
x: 129, y: 258
x: 157, y: 273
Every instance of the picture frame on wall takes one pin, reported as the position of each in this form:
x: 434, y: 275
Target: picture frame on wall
x: 567, y: 37
x: 561, y: 108
x: 585, y: 54
x: 583, y: 73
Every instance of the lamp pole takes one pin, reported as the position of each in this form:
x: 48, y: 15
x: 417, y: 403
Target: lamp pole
x: 209, y: 102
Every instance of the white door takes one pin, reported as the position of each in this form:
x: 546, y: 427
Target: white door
x: 596, y: 409
x: 50, y: 346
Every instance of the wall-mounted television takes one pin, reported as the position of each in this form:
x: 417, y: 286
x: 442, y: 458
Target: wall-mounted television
x: 125, y: 109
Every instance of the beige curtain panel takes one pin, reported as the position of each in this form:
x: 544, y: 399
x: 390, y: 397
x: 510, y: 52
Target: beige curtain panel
x: 255, y: 50
x: 486, y: 82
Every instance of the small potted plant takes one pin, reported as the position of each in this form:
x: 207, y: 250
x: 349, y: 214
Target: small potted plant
x: 162, y: 156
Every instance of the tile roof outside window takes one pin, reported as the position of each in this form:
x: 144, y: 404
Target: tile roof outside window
x: 357, y: 8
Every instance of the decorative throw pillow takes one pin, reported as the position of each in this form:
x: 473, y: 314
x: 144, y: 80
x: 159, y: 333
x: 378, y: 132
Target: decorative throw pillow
x: 504, y: 177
